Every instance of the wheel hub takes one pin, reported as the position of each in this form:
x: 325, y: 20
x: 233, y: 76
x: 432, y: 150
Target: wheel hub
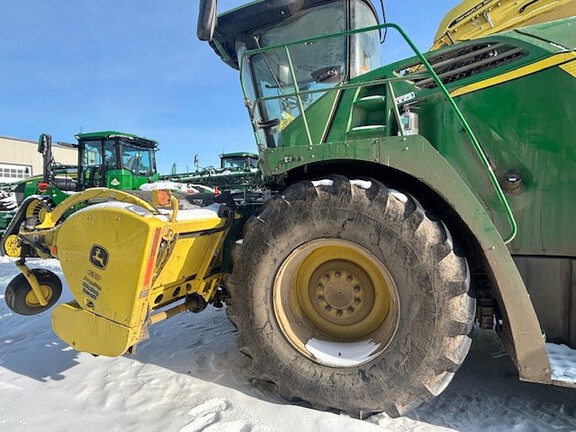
x: 336, y: 292
x: 339, y: 294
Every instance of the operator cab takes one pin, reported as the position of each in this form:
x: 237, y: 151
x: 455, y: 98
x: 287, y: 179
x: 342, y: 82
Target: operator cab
x: 282, y: 74
x: 115, y: 160
x: 238, y: 161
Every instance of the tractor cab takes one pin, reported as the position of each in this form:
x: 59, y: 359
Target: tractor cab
x: 238, y: 161
x: 289, y: 60
x: 115, y: 160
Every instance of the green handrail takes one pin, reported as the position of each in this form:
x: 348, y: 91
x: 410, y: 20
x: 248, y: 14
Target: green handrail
x: 475, y: 143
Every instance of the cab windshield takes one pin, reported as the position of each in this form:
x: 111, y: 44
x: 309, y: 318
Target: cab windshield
x: 239, y: 162
x: 282, y: 82
x: 137, y: 160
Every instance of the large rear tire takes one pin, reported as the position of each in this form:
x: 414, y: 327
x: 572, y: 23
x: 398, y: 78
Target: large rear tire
x: 348, y: 296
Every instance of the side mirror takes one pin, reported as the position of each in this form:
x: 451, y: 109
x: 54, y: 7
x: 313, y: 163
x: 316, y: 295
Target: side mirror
x: 44, y: 141
x: 206, y: 20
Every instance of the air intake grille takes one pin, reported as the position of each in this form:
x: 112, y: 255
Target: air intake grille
x: 462, y: 63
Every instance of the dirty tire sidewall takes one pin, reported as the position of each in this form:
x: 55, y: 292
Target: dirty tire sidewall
x: 435, y: 308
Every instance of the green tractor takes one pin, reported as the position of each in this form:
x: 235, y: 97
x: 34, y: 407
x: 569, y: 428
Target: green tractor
x: 404, y: 204
x: 111, y: 159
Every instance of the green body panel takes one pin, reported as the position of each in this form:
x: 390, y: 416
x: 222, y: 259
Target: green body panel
x: 123, y: 179
x: 552, y: 32
x: 318, y: 115
x: 508, y: 119
x: 522, y: 125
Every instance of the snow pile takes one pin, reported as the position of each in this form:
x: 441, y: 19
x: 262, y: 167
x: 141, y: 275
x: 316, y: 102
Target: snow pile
x: 169, y: 185
x: 8, y: 201
x: 563, y: 362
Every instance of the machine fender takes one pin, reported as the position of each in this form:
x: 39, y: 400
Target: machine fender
x: 415, y: 156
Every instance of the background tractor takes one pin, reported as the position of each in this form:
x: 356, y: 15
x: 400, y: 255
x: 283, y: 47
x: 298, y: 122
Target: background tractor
x: 236, y: 174
x: 403, y: 204
x: 105, y: 159
x: 110, y: 159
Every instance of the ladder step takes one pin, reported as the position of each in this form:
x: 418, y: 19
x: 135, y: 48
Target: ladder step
x: 376, y: 129
x: 370, y: 102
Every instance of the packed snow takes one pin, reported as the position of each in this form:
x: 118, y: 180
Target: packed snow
x: 563, y: 363
x: 189, y: 377
x: 170, y: 185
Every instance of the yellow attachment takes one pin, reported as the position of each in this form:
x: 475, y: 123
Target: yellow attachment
x: 122, y: 261
x: 472, y: 19
x: 51, y: 219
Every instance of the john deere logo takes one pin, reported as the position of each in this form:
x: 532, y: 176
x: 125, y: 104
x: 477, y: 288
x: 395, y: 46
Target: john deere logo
x: 99, y: 257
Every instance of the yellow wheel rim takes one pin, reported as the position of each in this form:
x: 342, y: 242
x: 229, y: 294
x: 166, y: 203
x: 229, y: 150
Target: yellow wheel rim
x: 12, y: 246
x: 31, y: 299
x: 36, y: 208
x: 337, y: 292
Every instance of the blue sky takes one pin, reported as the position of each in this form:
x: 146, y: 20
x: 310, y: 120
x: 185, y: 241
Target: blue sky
x: 136, y: 66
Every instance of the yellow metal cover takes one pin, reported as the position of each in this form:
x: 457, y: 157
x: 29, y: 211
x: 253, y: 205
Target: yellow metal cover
x: 472, y: 19
x: 87, y: 332
x: 104, y: 251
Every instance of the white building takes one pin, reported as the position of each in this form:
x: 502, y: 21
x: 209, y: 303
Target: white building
x: 19, y: 158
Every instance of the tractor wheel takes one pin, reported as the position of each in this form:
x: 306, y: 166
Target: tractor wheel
x: 21, y: 299
x: 348, y: 296
x: 11, y: 246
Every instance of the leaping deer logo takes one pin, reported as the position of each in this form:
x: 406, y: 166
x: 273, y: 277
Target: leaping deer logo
x: 99, y: 256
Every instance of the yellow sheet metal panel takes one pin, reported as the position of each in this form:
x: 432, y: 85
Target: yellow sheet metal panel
x: 88, y: 332
x: 472, y: 19
x: 104, y: 251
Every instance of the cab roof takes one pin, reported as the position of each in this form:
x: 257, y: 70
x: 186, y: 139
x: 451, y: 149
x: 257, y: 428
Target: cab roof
x: 135, y: 139
x: 243, y: 19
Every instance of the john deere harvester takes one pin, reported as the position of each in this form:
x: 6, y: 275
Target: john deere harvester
x: 407, y: 203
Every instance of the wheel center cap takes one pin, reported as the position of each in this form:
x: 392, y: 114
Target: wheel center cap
x: 339, y: 294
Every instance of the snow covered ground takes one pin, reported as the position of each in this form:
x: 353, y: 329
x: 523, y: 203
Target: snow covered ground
x: 190, y: 377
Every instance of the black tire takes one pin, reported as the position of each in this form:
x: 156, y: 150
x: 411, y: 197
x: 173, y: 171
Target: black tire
x: 372, y: 246
x: 21, y: 299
